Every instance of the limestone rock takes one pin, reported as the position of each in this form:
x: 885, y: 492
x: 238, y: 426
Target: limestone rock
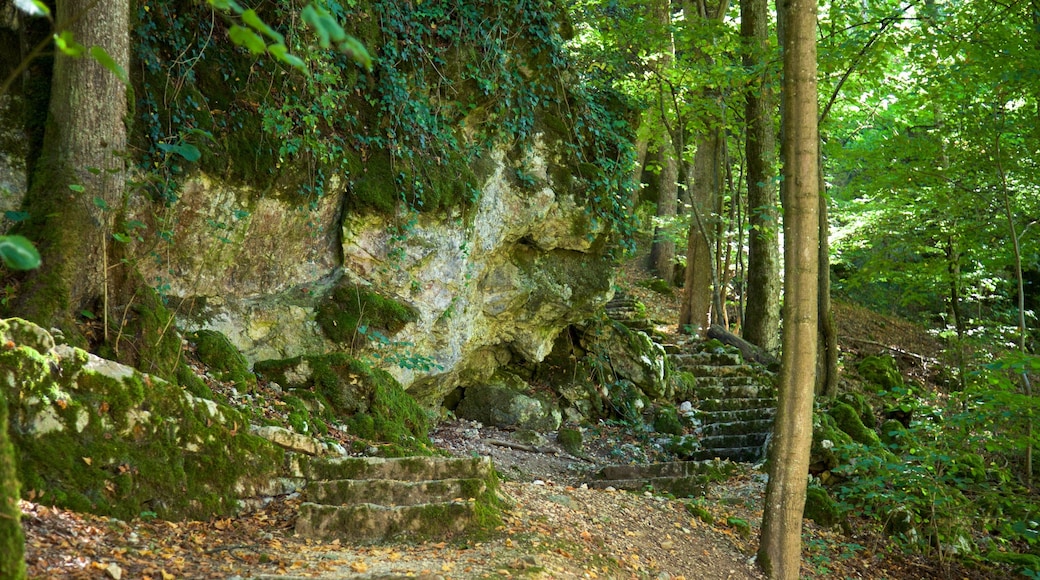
x: 631, y: 355
x: 502, y: 402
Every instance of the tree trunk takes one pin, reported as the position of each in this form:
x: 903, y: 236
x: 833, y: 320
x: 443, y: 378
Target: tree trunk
x: 662, y: 252
x: 700, y: 281
x: 12, y: 542
x: 779, y: 552
x: 78, y: 183
x: 762, y: 316
x: 827, y: 371
x: 695, y: 310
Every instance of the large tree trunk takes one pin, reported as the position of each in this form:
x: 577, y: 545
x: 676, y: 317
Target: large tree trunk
x: 695, y: 310
x: 779, y: 552
x: 762, y: 316
x: 78, y: 183
x: 700, y: 282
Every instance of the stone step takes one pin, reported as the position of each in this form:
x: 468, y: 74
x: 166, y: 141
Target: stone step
x: 402, y: 468
x: 729, y: 381
x: 754, y: 414
x: 735, y: 404
x: 727, y: 441
x: 666, y: 469
x: 369, y: 523
x: 709, y: 359
x: 392, y: 491
x: 716, y: 371
x: 737, y: 427
x: 689, y: 486
x: 739, y: 454
x: 751, y: 391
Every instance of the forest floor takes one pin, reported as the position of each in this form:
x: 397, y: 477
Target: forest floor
x: 554, y: 526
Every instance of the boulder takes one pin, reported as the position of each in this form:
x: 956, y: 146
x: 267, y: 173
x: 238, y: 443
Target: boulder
x: 503, y: 402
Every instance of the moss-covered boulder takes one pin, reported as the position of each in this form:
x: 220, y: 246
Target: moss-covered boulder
x: 571, y: 440
x: 893, y: 434
x: 820, y: 507
x: 373, y: 404
x: 666, y: 420
x: 12, y: 541
x: 630, y: 355
x: 507, y: 401
x: 848, y: 420
x: 858, y: 401
x: 220, y: 356
x: 880, y: 371
x: 94, y: 435
x: 827, y: 439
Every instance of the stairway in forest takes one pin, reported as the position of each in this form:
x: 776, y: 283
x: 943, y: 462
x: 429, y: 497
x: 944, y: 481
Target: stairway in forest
x: 735, y: 404
x: 369, y: 500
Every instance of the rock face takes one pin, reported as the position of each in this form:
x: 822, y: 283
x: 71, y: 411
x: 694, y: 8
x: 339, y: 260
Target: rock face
x: 489, y: 288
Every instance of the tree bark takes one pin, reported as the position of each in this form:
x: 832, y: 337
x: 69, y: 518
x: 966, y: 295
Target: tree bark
x: 78, y: 184
x: 779, y: 552
x: 827, y: 372
x: 699, y: 281
x: 762, y: 315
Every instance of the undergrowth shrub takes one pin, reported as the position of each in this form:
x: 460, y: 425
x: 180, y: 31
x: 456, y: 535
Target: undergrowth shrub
x: 948, y: 484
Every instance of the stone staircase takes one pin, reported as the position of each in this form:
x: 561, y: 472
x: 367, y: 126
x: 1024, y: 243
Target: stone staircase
x: 735, y: 404
x: 679, y: 478
x: 365, y: 500
x: 628, y: 311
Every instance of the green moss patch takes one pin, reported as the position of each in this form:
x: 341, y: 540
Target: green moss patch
x: 848, y: 420
x: 820, y: 507
x: 100, y: 437
x: 375, y: 406
x: 216, y: 352
x: 880, y: 371
x: 352, y: 314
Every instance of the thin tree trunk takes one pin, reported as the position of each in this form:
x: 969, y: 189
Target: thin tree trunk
x: 827, y: 372
x: 779, y: 552
x: 762, y: 315
x: 662, y: 252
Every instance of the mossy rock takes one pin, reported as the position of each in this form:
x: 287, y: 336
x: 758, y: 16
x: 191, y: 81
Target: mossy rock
x: 352, y: 314
x: 666, y: 420
x: 859, y: 402
x: 571, y: 440
x: 375, y: 406
x: 826, y: 438
x: 657, y: 285
x: 821, y: 508
x: 12, y: 540
x: 1027, y: 561
x: 216, y: 352
x: 880, y: 371
x: 847, y: 419
x: 101, y: 437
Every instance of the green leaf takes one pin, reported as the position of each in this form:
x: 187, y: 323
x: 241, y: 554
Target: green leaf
x: 251, y: 18
x: 353, y: 48
x: 101, y: 203
x: 16, y: 216
x: 101, y: 55
x: 282, y: 53
x: 76, y: 187
x: 18, y: 253
x: 68, y: 45
x: 243, y: 36
x: 226, y: 5
x: 188, y: 151
x: 324, y: 24
x: 119, y: 237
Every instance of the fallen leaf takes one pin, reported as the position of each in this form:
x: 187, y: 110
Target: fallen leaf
x: 87, y: 460
x: 359, y: 567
